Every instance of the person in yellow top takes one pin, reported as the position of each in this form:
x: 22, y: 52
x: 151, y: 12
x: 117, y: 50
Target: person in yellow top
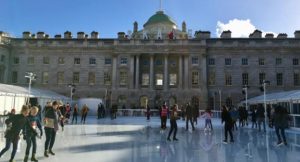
x: 173, y: 123
x: 84, y: 113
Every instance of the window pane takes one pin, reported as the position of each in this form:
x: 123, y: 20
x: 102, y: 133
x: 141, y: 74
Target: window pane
x: 92, y: 78
x: 14, y: 77
x: 75, y: 77
x: 173, y: 79
x: 195, y: 60
x: 211, y: 78
x: 123, y: 61
x: 92, y: 61
x: 145, y: 79
x: 195, y: 78
x: 30, y: 60
x: 279, y: 79
x: 107, y: 61
x: 76, y: 61
x: 107, y: 78
x: 159, y: 79
x: 123, y: 78
x: 46, y: 60
x: 60, y: 77
x: 61, y: 60
x: 45, y: 77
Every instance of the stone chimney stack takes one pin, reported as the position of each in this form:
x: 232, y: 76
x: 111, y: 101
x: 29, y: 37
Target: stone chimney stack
x: 202, y: 34
x: 121, y: 35
x: 26, y: 34
x: 40, y: 35
x: 57, y: 36
x: 297, y: 34
x: 80, y: 35
x: 94, y: 35
x: 269, y: 35
x: 282, y: 35
x: 135, y: 27
x: 68, y: 35
x: 183, y: 26
x: 256, y: 34
x: 226, y: 34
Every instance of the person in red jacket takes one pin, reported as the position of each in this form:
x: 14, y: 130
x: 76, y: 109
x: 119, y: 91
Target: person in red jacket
x: 163, y: 116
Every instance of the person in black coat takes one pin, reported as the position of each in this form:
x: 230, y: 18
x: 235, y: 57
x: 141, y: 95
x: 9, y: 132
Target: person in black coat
x: 15, y: 124
x: 189, y: 116
x: 228, y: 124
x: 281, y: 123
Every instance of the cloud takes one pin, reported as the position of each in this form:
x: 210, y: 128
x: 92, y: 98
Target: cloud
x: 239, y: 28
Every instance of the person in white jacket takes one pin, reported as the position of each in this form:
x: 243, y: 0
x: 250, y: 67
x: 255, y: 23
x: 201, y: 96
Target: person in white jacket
x: 207, y: 116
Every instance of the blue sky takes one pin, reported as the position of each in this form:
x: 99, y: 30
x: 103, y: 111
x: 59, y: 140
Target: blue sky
x: 111, y: 16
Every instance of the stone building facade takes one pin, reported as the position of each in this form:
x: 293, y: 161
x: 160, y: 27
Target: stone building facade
x: 157, y: 64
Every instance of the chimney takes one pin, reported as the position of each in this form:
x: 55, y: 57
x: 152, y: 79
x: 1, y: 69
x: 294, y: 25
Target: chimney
x: 226, y: 34
x: 121, y: 35
x: 40, y: 35
x: 80, y: 35
x: 256, y: 34
x: 297, y: 34
x: 94, y: 35
x: 282, y: 35
x: 57, y: 36
x: 202, y: 34
x: 26, y: 34
x: 68, y: 35
x: 269, y: 35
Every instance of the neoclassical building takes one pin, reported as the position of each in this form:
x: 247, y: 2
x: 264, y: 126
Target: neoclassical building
x: 159, y: 63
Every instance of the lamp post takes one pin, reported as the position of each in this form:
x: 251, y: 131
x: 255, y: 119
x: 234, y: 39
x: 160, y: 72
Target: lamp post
x: 72, y: 86
x: 31, y: 76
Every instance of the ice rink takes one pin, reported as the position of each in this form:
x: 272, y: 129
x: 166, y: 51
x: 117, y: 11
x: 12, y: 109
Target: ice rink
x: 133, y: 139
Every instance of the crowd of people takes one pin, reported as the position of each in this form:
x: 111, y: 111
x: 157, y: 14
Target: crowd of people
x: 55, y: 113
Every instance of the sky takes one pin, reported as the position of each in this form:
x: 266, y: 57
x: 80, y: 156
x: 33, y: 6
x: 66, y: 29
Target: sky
x: 108, y: 17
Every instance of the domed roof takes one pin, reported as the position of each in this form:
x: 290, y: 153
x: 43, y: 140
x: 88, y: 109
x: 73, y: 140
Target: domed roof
x: 159, y: 17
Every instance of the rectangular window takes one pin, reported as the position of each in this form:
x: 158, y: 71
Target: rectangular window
x: 45, y: 77
x: 279, y: 79
x: 107, y: 78
x: 14, y: 77
x: 107, y: 61
x: 195, y: 60
x: 158, y: 62
x: 296, y: 79
x: 278, y: 61
x: 245, y: 79
x: 123, y: 61
x: 227, y: 61
x: 195, y: 78
x: 261, y: 61
x: 46, y: 60
x: 211, y: 61
x: 173, y: 79
x: 16, y: 60
x: 211, y: 78
x: 76, y: 77
x: 92, y: 78
x: 77, y: 61
x: 145, y: 79
x: 92, y: 61
x: 30, y: 60
x: 262, y: 77
x: 228, y: 79
x: 159, y: 79
x: 2, y: 58
x: 123, y: 78
x: 61, y: 60
x: 145, y: 62
x: 295, y: 61
x: 244, y: 61
x: 60, y: 77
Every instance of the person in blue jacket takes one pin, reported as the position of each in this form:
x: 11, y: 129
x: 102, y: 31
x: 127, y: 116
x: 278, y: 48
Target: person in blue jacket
x: 29, y: 135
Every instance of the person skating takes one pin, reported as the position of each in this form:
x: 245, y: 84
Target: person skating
x: 228, y: 124
x: 84, y: 112
x: 189, y: 116
x: 173, y: 123
x: 163, y: 116
x: 51, y: 120
x: 15, y: 124
x: 148, y: 112
x: 30, y: 136
x: 75, y: 113
x: 281, y: 123
x: 207, y: 116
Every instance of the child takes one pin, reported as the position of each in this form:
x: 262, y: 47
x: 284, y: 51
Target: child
x: 207, y: 115
x: 30, y: 136
x: 12, y: 135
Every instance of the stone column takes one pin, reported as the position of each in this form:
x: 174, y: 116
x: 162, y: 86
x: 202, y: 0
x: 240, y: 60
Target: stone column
x: 180, y: 72
x: 151, y: 71
x: 166, y: 74
x: 204, y: 73
x: 137, y: 72
x: 131, y: 75
x: 186, y: 72
x: 114, y: 72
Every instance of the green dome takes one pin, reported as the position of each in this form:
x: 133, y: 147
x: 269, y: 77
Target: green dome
x: 159, y: 17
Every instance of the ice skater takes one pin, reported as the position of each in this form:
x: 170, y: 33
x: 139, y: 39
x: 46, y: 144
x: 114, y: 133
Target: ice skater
x: 173, y: 118
x: 207, y: 116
